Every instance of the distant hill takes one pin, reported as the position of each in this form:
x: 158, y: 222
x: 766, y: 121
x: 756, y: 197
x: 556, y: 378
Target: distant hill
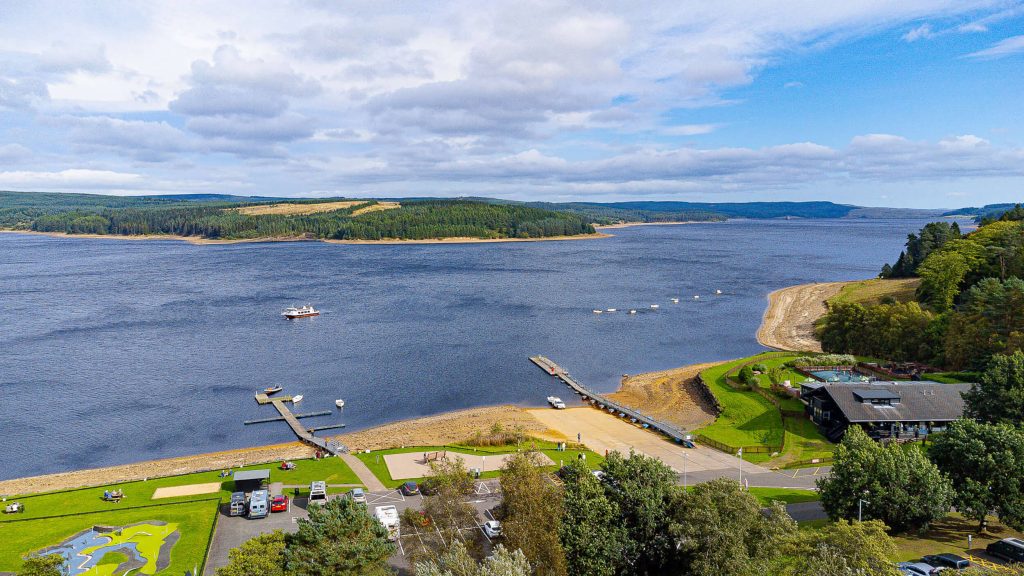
x: 986, y: 211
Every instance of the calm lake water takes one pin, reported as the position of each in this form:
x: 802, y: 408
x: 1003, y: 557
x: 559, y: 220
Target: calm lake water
x: 114, y: 351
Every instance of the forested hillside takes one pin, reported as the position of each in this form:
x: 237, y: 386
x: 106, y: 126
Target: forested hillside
x: 969, y: 306
x: 215, y: 219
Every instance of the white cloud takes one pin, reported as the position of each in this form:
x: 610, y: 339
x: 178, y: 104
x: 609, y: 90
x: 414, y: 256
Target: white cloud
x: 63, y: 179
x: 689, y: 129
x: 1005, y: 47
x: 923, y: 31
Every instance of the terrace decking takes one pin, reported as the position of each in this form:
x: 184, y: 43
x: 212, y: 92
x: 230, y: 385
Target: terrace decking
x: 331, y: 446
x: 599, y: 401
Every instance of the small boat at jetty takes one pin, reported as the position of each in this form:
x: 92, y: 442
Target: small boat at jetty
x: 297, y: 399
x: 306, y: 311
x: 272, y: 390
x: 556, y: 402
x: 339, y: 403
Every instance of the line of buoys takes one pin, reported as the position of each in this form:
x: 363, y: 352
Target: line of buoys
x: 674, y: 300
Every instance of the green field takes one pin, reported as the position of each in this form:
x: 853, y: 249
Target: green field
x: 748, y: 419
x: 785, y: 495
x: 194, y: 521
x: 874, y: 291
x: 331, y: 470
x: 375, y: 460
x: 950, y: 535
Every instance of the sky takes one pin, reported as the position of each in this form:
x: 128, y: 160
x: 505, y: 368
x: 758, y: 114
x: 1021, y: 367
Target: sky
x: 916, y: 103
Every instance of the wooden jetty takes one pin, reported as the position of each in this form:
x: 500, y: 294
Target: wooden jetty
x: 280, y: 418
x: 600, y: 402
x: 331, y: 446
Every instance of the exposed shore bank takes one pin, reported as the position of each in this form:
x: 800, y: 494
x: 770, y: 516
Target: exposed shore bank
x: 204, y: 241
x: 631, y: 224
x: 668, y: 395
x: 788, y: 322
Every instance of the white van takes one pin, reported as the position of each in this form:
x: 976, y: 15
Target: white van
x: 259, y: 507
x: 388, y: 517
x: 318, y: 493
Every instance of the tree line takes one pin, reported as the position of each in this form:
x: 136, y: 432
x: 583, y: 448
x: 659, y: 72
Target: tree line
x: 216, y: 220
x: 969, y: 304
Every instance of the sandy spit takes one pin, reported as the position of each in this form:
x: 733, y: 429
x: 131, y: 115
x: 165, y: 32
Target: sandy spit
x: 788, y: 323
x: 200, y: 241
x: 631, y: 224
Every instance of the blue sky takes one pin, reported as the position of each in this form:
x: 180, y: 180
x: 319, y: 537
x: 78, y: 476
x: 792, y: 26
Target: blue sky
x: 916, y: 103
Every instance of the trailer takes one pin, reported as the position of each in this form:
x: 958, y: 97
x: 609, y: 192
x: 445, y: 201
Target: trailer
x: 388, y: 517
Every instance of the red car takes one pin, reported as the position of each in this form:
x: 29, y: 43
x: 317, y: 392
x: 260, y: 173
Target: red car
x: 279, y: 504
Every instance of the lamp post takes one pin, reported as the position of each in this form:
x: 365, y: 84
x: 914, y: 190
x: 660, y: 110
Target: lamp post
x: 739, y: 463
x: 860, y: 508
x: 684, y: 471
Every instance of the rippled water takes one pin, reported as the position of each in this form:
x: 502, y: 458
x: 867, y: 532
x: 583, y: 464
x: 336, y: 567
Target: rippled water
x: 113, y: 351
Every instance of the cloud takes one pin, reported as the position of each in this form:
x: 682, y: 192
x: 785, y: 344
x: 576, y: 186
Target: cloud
x: 63, y: 179
x: 923, y: 31
x: 793, y: 84
x: 21, y: 93
x: 62, y: 58
x: 147, y: 141
x: 1003, y: 48
x: 689, y: 129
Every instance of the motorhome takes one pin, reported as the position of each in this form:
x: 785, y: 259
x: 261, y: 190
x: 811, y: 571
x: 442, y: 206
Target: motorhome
x: 259, y: 506
x: 237, y: 506
x: 318, y: 493
x: 388, y: 517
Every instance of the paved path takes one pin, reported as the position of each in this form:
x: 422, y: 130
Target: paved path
x: 804, y: 511
x: 603, y: 432
x: 368, y: 478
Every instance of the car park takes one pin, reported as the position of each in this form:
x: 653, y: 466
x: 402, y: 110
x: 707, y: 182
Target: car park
x: 947, y: 561
x: 492, y: 528
x: 915, y: 569
x: 357, y: 495
x: 1010, y: 549
x: 279, y: 503
x: 410, y: 488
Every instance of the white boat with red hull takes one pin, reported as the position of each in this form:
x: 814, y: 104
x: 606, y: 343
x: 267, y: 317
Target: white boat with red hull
x: 306, y: 311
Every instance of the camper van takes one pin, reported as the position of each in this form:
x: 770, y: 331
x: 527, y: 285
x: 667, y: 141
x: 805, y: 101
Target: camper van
x: 237, y: 506
x: 259, y: 506
x: 388, y: 517
x: 1010, y: 549
x: 318, y: 493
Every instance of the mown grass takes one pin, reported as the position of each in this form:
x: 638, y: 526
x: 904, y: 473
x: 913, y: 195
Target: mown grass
x: 874, y: 291
x: 375, y: 460
x: 86, y: 500
x: 950, y: 535
x: 747, y: 419
x: 953, y: 377
x: 786, y: 495
x: 195, y: 521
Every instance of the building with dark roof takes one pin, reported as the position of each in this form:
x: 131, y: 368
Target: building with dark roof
x: 885, y: 409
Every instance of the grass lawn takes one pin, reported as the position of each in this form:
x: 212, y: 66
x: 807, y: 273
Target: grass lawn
x: 786, y: 495
x: 953, y: 377
x: 194, y: 519
x: 747, y: 419
x: 332, y: 470
x: 803, y: 442
x: 871, y: 292
x: 375, y: 460
x: 950, y: 535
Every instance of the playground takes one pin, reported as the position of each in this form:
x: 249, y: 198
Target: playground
x: 407, y: 465
x: 143, y: 548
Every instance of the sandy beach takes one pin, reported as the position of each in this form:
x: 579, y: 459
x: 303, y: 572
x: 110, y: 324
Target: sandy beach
x: 631, y: 224
x: 203, y: 241
x: 788, y: 323
x: 444, y: 428
x: 669, y: 395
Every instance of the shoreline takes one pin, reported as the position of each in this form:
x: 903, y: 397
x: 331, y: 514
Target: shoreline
x: 789, y: 320
x: 631, y: 224
x: 198, y: 241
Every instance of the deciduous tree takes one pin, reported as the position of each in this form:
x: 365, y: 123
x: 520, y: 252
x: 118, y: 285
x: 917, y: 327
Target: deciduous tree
x: 262, y: 555
x: 846, y: 549
x: 338, y: 539
x: 999, y: 396
x: 533, y: 513
x: 592, y: 533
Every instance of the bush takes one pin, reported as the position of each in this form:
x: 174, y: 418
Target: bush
x: 824, y: 360
x: 498, y: 435
x: 760, y: 367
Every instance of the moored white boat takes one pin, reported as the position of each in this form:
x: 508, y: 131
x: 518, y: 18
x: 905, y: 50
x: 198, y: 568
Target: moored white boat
x: 556, y: 402
x: 339, y: 403
x: 598, y: 311
x: 632, y: 311
x: 655, y: 306
x: 675, y: 300
x: 297, y: 399
x: 611, y: 310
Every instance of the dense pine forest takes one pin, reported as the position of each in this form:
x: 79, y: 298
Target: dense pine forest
x: 969, y: 305
x: 218, y: 219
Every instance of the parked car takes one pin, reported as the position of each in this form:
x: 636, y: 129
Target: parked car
x: 915, y: 569
x: 410, y: 488
x: 947, y: 561
x: 357, y: 495
x: 279, y: 503
x: 1010, y: 549
x: 492, y: 528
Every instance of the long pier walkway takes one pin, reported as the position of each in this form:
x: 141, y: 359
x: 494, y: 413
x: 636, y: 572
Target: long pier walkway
x: 331, y: 446
x: 599, y: 401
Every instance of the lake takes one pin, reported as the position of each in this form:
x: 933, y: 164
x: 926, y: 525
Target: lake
x: 114, y: 351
